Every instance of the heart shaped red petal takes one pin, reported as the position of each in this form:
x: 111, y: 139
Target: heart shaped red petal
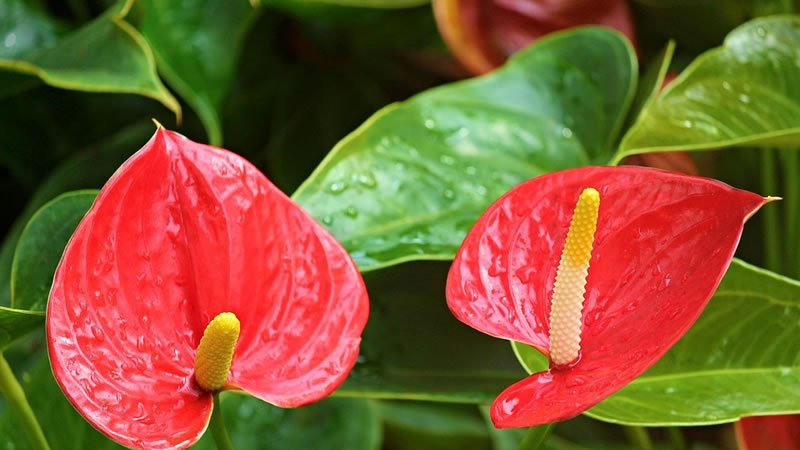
x: 662, y: 244
x: 181, y: 233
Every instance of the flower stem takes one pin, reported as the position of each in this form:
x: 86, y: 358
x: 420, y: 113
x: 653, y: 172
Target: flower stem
x: 535, y: 437
x: 791, y: 189
x: 638, y: 437
x: 11, y: 389
x: 676, y: 438
x: 770, y: 214
x: 218, y: 430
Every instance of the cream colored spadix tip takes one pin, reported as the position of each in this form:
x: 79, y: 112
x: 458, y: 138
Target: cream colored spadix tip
x: 567, y: 304
x: 215, y: 352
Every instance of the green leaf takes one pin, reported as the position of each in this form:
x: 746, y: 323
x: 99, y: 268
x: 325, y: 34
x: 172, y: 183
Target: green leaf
x: 24, y: 27
x: 87, y: 169
x: 40, y: 247
x: 411, y: 181
x: 413, y: 348
x: 432, y: 426
x: 745, y: 93
x: 196, y: 44
x: 106, y: 55
x: 63, y: 427
x: 15, y: 323
x: 739, y: 359
x: 651, y: 82
x: 331, y: 424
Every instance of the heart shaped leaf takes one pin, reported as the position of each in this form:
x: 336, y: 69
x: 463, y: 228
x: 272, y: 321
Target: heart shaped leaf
x: 106, y: 55
x: 413, y: 179
x: 739, y: 359
x: 196, y: 44
x: 40, y: 248
x: 332, y: 424
x: 746, y: 92
x: 409, y: 331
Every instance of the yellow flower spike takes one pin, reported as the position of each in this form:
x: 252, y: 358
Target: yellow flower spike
x: 215, y: 352
x: 570, y: 285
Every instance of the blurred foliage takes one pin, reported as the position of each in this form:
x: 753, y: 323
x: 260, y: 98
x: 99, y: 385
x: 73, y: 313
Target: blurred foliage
x: 281, y: 82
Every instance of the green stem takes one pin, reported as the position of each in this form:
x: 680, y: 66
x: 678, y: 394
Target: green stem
x: 11, y: 389
x: 791, y: 185
x: 535, y: 437
x: 770, y: 214
x: 676, y: 438
x: 218, y: 430
x: 639, y: 437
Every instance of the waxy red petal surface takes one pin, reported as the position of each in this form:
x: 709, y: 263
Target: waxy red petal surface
x: 769, y: 432
x: 181, y: 233
x: 662, y: 244
x: 483, y: 34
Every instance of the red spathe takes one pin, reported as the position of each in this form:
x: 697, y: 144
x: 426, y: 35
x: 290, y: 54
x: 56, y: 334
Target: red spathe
x: 662, y: 245
x: 181, y: 233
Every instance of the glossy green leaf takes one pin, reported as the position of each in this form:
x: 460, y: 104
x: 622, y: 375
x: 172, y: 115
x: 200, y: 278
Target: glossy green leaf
x: 741, y: 358
x: 412, y: 180
x: 63, y: 427
x: 413, y: 347
x: 746, y: 92
x: 88, y: 169
x: 24, y: 28
x: 40, y: 247
x: 651, y: 82
x: 106, y: 55
x: 433, y: 426
x: 15, y: 323
x: 196, y: 44
x: 331, y: 424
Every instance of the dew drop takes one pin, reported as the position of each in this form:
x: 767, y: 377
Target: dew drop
x: 366, y: 180
x: 351, y: 212
x: 509, y: 405
x: 337, y: 187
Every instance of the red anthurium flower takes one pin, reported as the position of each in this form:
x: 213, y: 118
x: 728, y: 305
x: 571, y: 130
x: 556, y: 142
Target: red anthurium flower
x: 483, y: 33
x: 182, y: 234
x: 769, y: 432
x: 638, y: 253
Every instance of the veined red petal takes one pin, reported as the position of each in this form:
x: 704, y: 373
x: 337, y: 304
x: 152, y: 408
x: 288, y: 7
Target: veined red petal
x: 662, y: 244
x: 181, y: 233
x: 769, y: 432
